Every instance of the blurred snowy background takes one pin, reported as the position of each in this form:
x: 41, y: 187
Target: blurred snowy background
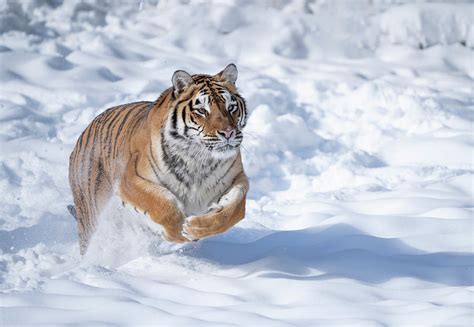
x: 359, y: 149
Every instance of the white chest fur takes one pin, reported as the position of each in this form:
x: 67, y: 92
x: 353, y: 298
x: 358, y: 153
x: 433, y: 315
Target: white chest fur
x: 202, y: 195
x: 197, y: 180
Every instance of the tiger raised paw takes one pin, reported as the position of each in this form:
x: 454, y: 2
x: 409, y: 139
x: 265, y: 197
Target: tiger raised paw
x: 173, y: 158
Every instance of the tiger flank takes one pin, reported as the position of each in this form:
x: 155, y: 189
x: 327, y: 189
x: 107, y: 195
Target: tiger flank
x: 177, y: 160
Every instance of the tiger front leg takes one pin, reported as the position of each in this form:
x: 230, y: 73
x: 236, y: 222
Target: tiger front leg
x: 157, y: 202
x: 225, y: 214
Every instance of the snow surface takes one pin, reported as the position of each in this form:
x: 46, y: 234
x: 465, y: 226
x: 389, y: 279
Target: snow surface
x: 359, y: 149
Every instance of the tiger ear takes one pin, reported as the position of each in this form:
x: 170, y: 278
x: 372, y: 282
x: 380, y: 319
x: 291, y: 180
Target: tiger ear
x: 229, y: 74
x: 181, y: 80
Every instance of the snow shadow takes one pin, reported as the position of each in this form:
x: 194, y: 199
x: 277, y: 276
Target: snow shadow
x: 339, y: 251
x: 50, y: 230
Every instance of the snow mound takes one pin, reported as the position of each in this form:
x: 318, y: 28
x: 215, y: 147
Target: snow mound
x: 428, y: 25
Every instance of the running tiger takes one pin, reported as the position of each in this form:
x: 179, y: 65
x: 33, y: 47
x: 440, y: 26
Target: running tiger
x: 177, y: 160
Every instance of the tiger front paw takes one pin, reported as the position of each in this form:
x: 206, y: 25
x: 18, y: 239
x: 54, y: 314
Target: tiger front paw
x: 175, y: 236
x: 215, y: 207
x: 198, y: 227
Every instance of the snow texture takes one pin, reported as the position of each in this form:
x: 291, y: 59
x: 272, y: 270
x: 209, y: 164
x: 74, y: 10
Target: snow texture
x: 359, y: 150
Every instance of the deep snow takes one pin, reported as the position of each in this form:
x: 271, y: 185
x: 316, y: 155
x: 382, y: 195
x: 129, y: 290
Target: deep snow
x: 359, y: 149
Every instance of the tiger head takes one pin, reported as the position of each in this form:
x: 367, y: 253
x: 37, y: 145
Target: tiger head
x: 208, y: 112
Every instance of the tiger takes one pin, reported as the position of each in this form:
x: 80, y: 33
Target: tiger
x: 176, y: 160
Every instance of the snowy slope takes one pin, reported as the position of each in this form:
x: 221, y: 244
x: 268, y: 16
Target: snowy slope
x: 359, y: 149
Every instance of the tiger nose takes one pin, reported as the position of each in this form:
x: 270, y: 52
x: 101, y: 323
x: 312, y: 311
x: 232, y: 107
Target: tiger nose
x: 227, y: 133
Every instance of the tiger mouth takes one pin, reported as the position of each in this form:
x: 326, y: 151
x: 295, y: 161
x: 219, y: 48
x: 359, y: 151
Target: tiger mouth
x: 226, y: 147
x: 222, y: 147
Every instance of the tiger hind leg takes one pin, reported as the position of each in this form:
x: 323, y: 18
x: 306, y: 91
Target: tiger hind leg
x: 87, y: 212
x: 86, y: 225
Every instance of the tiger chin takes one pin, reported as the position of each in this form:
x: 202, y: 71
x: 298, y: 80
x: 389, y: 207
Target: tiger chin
x: 177, y: 159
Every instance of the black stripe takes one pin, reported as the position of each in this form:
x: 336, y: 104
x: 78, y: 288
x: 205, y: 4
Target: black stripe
x: 137, y: 122
x: 183, y: 117
x: 102, y: 129
x: 79, y: 142
x: 225, y: 174
x: 200, y: 78
x: 154, y: 170
x: 176, y: 165
x: 135, y: 164
x: 119, y: 130
x: 174, y: 134
x: 82, y: 211
x: 98, y: 180
x: 87, y: 134
x: 196, y: 129
x: 192, y: 119
x: 183, y: 100
x: 174, y: 118
x: 214, y: 95
x: 162, y: 96
x: 210, y: 170
x: 153, y: 157
x: 90, y: 186
x: 111, y: 141
x: 243, y: 111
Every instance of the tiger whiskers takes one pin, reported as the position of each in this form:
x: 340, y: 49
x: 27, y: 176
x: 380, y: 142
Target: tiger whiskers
x: 252, y: 135
x: 244, y: 148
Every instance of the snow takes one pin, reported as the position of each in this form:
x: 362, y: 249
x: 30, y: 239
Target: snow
x: 359, y: 150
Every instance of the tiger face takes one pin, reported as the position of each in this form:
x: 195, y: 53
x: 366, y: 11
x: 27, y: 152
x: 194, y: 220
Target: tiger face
x: 208, y: 112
